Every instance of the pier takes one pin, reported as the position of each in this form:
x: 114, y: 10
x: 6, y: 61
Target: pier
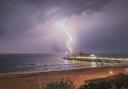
x: 93, y: 58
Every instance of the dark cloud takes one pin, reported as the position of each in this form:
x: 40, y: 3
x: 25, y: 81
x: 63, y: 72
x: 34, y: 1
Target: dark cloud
x: 105, y: 39
x: 19, y: 17
x: 75, y: 5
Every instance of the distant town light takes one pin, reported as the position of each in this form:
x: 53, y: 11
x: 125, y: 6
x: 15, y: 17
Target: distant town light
x: 110, y: 72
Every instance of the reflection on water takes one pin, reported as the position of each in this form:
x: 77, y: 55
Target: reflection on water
x: 65, y: 62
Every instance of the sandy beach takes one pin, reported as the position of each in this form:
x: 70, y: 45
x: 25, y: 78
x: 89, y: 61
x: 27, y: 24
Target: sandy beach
x: 38, y: 80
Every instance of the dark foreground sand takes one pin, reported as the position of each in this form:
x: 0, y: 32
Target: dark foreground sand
x: 37, y: 80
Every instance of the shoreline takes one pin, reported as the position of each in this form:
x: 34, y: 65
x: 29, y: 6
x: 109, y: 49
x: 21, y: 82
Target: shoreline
x: 48, y: 71
x: 78, y: 76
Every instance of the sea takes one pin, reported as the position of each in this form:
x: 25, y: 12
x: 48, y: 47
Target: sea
x: 33, y: 63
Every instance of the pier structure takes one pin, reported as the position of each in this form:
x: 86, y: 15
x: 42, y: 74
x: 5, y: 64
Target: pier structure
x: 94, y: 58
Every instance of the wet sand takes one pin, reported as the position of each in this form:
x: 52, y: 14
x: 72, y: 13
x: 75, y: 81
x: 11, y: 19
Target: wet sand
x: 38, y: 80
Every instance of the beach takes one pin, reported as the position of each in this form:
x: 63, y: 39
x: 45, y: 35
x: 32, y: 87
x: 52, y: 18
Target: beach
x: 38, y: 80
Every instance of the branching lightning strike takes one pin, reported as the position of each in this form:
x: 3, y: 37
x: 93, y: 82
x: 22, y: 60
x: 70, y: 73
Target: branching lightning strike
x: 70, y: 39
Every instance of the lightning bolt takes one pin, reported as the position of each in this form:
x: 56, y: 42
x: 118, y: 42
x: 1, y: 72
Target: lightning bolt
x: 69, y: 39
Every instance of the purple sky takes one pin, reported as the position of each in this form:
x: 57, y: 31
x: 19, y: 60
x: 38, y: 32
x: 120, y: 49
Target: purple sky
x: 31, y: 26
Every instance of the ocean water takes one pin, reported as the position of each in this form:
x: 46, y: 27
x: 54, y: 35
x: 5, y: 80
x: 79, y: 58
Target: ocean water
x: 32, y: 63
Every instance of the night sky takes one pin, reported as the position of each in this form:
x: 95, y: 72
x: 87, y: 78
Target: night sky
x: 31, y: 26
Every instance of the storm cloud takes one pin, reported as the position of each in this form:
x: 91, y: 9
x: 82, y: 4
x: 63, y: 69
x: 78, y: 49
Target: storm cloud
x: 22, y: 14
x: 27, y: 25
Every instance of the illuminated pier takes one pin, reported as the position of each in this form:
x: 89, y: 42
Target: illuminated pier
x: 93, y: 58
